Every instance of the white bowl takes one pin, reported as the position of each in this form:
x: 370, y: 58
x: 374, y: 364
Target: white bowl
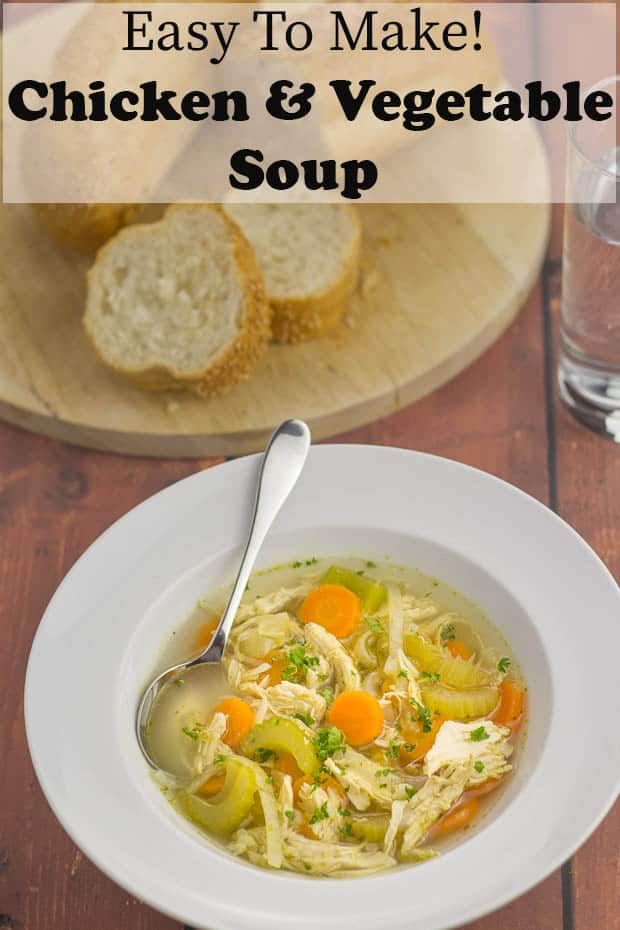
x: 536, y: 578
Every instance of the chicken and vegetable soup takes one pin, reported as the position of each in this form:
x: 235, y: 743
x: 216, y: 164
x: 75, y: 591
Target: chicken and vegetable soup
x: 364, y: 717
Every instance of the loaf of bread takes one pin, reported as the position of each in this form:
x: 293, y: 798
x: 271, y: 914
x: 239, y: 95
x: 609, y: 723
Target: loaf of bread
x: 83, y: 226
x: 179, y: 303
x: 309, y: 255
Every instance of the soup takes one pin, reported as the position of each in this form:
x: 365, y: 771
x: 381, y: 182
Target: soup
x: 365, y: 716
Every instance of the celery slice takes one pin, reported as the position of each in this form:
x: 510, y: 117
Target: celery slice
x: 452, y: 670
x: 279, y: 734
x: 229, y: 807
x: 459, y: 705
x: 371, y: 593
x: 426, y: 655
x: 372, y: 829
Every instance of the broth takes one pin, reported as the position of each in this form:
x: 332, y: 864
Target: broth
x: 368, y: 720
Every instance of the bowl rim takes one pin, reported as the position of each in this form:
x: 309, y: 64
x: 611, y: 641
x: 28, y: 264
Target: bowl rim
x: 242, y: 469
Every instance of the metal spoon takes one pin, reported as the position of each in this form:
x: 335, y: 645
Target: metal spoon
x: 282, y: 463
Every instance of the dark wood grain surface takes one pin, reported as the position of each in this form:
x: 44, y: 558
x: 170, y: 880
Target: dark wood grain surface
x: 501, y: 415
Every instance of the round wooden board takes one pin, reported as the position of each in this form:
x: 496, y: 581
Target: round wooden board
x: 439, y: 285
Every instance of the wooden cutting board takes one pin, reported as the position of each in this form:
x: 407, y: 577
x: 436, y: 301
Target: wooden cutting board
x: 439, y: 285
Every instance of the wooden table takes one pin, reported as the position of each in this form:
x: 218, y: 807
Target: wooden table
x: 502, y: 415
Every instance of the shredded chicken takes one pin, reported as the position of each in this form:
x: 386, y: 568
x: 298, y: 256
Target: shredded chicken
x: 318, y: 794
x: 398, y: 810
x: 364, y: 780
x: 434, y: 799
x: 321, y: 858
x: 273, y: 829
x: 321, y: 808
x: 209, y: 743
x: 273, y: 602
x: 290, y: 698
x: 392, y: 663
x: 455, y: 746
x: 332, y: 649
x: 260, y: 635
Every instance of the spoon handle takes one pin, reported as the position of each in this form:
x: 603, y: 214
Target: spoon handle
x: 281, y: 466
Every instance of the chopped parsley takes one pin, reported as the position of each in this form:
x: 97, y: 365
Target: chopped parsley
x: 360, y: 572
x: 409, y: 747
x: 328, y: 741
x: 448, y: 632
x: 402, y: 673
x: 299, y: 663
x: 424, y: 715
x: 344, y: 811
x: 374, y: 626
x: 192, y: 732
x: 219, y: 758
x: 409, y: 791
x: 430, y: 676
x: 321, y: 813
x: 263, y: 755
x: 308, y: 562
x: 308, y: 719
x: 178, y: 682
x: 328, y: 694
x: 381, y: 773
x: 290, y: 815
x: 479, y: 766
x: 503, y: 665
x: 346, y: 830
x: 393, y: 749
x: 477, y: 735
x: 370, y: 564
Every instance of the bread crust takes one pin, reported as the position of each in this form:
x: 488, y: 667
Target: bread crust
x: 236, y: 361
x: 82, y: 226
x: 299, y: 318
x: 296, y: 319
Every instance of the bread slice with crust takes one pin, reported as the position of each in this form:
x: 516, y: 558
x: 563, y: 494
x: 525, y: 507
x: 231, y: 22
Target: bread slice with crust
x: 179, y: 303
x: 310, y: 258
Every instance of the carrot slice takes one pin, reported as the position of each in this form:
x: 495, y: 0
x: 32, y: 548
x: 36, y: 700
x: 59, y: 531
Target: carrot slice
x: 205, y: 634
x: 458, y: 818
x: 359, y: 715
x: 511, y: 704
x: 286, y: 764
x: 334, y: 607
x: 456, y: 648
x: 491, y: 784
x: 277, y: 663
x: 416, y: 743
x: 240, y: 719
x: 212, y: 786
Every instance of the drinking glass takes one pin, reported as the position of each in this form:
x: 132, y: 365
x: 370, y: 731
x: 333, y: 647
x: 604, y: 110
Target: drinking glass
x: 589, y: 364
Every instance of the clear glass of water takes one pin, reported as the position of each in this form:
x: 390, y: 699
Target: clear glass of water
x: 589, y: 365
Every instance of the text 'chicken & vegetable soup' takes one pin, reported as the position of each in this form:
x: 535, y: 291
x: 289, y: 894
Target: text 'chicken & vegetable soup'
x: 365, y: 716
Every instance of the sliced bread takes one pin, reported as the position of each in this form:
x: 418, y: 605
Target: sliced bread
x: 179, y: 303
x: 310, y: 258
